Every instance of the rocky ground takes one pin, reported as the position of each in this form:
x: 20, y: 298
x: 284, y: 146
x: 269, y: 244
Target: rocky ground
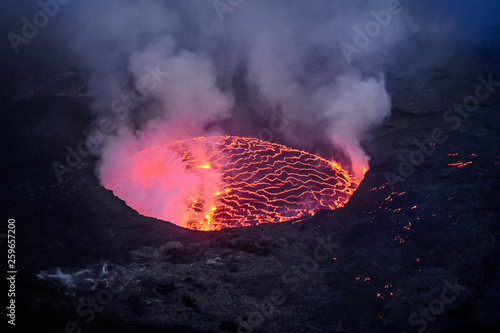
x: 419, y: 254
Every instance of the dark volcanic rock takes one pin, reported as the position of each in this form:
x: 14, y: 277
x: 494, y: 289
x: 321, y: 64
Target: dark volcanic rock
x: 396, y: 250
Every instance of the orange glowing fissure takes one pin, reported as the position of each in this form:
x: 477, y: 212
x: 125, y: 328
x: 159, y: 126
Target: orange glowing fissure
x: 230, y: 181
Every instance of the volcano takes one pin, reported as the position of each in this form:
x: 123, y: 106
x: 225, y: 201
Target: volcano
x: 210, y: 183
x: 113, y: 225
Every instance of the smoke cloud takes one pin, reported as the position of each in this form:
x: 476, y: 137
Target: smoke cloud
x: 284, y: 54
x: 167, y: 71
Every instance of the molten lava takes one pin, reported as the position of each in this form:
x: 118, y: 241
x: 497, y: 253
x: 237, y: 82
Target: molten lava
x: 228, y: 181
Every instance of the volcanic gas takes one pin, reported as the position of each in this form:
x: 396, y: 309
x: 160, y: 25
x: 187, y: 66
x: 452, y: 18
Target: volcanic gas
x: 210, y: 183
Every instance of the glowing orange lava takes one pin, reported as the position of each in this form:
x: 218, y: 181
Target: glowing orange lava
x: 229, y: 181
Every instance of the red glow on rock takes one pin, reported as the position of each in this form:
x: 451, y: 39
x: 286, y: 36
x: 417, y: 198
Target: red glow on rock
x: 228, y: 181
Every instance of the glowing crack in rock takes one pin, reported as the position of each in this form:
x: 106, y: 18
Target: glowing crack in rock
x: 210, y: 183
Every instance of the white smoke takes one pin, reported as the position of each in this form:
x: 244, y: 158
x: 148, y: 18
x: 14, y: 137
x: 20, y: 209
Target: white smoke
x: 286, y: 52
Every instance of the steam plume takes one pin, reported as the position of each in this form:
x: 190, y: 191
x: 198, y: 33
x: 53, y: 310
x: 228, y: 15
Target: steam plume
x: 288, y: 52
